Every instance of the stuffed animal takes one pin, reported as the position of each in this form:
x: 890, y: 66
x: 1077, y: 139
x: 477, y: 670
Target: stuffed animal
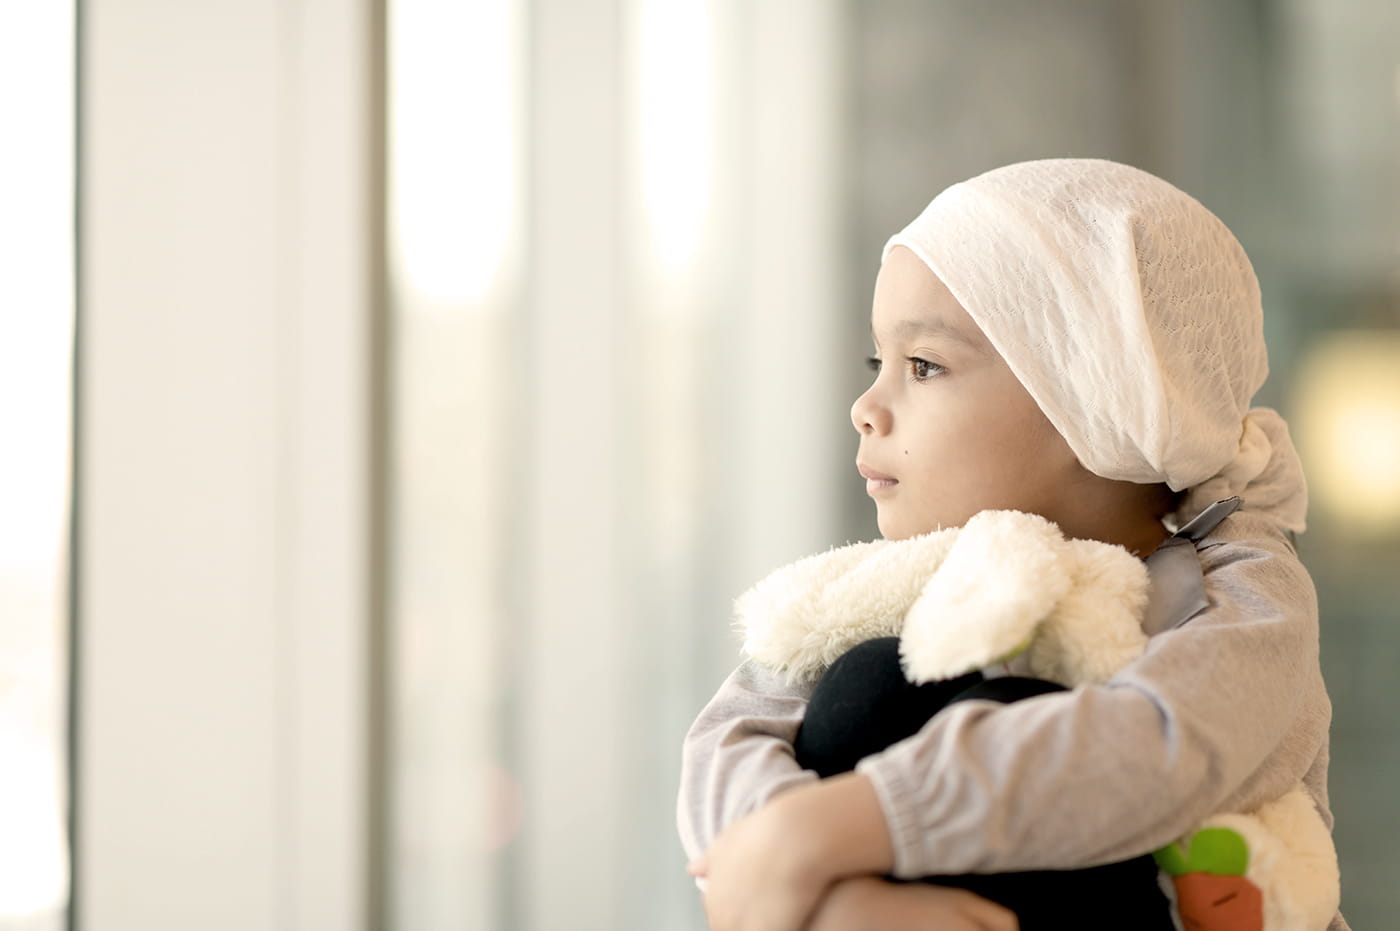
x: 1007, y: 589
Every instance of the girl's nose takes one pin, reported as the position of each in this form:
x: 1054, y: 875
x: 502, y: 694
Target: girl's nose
x: 868, y: 415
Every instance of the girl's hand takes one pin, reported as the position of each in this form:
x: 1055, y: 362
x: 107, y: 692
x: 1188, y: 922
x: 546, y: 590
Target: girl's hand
x: 768, y: 871
x: 754, y: 879
x: 870, y: 902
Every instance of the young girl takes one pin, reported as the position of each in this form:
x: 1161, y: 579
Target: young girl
x: 1080, y: 340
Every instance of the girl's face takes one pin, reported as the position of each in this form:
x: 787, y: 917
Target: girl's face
x: 946, y: 430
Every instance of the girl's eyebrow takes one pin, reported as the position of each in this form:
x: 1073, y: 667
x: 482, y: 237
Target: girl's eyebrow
x: 908, y: 330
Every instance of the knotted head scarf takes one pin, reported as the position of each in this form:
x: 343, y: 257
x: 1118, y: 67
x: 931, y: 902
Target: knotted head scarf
x: 1130, y: 314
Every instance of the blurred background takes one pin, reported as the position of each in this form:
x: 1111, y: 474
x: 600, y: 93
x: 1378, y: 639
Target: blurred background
x: 396, y: 393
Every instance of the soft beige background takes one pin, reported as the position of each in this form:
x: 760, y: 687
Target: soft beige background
x: 444, y: 369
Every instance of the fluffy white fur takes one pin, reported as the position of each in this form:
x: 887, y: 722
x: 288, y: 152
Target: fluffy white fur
x: 1000, y: 581
x: 959, y: 599
x: 1096, y: 628
x: 802, y: 617
x: 962, y: 599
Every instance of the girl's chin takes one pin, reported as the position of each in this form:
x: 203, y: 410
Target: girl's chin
x: 894, y: 528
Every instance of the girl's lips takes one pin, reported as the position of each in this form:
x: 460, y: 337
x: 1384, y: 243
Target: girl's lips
x: 871, y: 475
x: 875, y: 481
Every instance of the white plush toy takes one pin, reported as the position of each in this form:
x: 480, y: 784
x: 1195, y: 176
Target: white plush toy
x: 1009, y: 588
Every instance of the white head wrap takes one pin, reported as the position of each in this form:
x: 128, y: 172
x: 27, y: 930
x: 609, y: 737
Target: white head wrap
x: 1133, y: 318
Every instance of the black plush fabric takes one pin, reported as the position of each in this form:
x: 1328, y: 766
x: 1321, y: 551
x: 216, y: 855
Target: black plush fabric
x: 863, y: 704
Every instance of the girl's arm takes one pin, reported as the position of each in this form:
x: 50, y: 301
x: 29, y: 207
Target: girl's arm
x: 872, y: 902
x: 738, y: 754
x: 770, y: 870
x: 1222, y: 713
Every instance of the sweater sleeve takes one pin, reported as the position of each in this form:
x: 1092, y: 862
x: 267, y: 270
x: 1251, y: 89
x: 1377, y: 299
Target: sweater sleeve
x: 738, y: 754
x: 1221, y: 713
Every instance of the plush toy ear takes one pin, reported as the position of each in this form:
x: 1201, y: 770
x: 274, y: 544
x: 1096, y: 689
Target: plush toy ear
x: 1096, y: 628
x: 800, y: 618
x: 1002, y: 577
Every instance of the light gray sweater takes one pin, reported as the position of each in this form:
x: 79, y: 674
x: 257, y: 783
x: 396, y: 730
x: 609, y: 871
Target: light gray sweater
x: 1225, y: 710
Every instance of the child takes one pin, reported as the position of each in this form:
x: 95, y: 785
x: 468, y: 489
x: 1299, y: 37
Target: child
x: 1080, y: 340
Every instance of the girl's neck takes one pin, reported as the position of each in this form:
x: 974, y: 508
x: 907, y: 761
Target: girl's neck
x: 1122, y: 513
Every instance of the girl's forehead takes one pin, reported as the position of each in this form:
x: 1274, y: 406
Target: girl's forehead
x: 911, y: 302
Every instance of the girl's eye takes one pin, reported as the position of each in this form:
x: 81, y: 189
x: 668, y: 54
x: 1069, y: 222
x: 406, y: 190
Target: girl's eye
x: 923, y: 369
x: 873, y: 363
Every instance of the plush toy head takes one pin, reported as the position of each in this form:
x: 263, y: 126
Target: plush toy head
x: 1006, y: 584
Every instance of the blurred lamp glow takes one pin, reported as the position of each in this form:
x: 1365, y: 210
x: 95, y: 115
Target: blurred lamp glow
x: 452, y: 143
x: 1348, y: 417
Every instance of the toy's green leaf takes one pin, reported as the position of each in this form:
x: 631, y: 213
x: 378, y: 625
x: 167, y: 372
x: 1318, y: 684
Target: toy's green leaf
x: 1171, y: 860
x: 1219, y: 852
x: 1015, y: 651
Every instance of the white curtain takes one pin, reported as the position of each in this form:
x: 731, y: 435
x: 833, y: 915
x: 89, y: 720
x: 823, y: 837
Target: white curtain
x: 36, y: 407
x: 632, y: 411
